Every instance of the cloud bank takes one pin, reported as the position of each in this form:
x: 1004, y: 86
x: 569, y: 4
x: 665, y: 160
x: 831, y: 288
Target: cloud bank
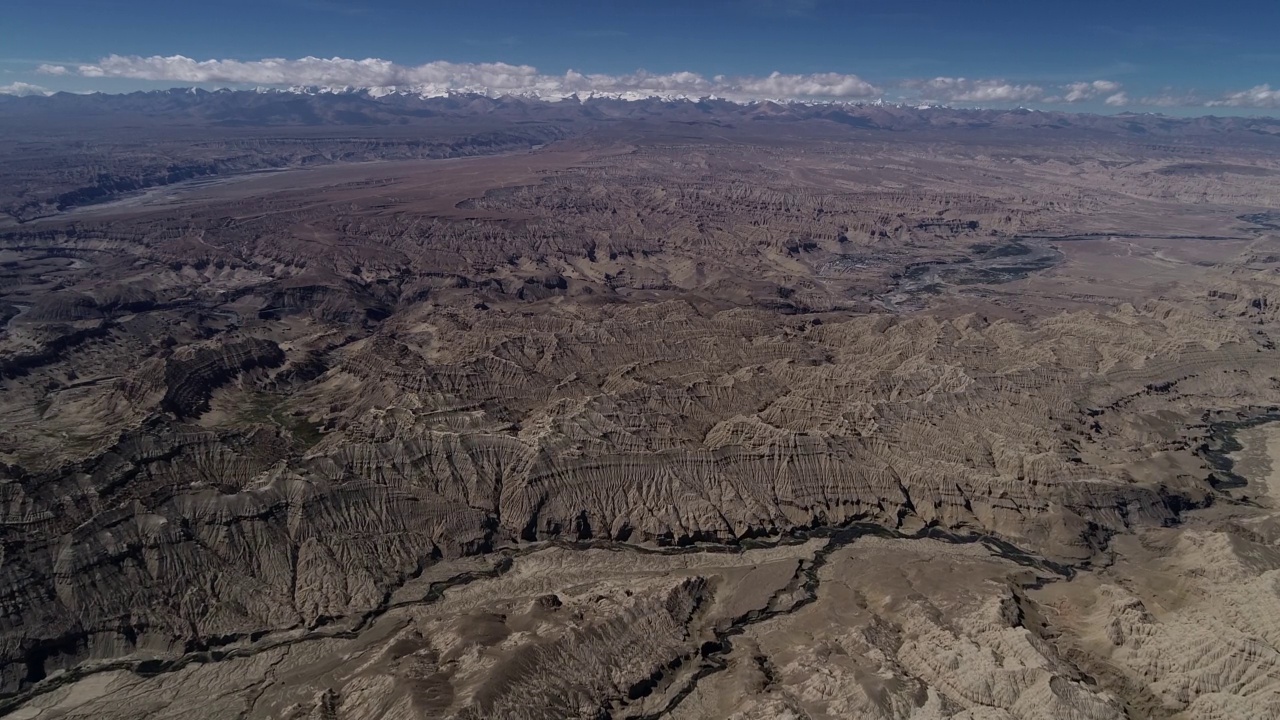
x: 964, y: 90
x: 490, y: 78
x: 1083, y: 91
x: 977, y: 91
x: 23, y: 89
x: 441, y: 77
x: 1260, y: 96
x: 1120, y: 99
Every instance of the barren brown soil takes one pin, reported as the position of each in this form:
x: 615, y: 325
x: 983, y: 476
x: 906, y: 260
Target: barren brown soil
x: 651, y: 421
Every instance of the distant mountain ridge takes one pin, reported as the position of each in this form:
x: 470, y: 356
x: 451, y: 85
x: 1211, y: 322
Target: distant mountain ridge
x: 326, y: 106
x: 67, y: 150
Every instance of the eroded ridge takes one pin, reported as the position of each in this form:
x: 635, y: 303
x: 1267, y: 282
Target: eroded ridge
x: 651, y: 424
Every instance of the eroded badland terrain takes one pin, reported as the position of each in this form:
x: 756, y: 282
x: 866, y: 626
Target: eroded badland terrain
x: 749, y: 415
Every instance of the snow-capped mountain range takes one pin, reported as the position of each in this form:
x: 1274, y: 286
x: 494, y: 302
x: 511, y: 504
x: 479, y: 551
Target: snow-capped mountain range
x: 420, y: 105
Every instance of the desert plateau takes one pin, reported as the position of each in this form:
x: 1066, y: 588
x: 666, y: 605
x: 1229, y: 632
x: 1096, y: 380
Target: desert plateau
x: 342, y: 407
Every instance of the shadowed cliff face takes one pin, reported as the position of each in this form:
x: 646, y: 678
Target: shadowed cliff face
x: 643, y: 423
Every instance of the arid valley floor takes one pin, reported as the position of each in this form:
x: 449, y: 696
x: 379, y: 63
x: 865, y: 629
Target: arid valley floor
x: 654, y: 412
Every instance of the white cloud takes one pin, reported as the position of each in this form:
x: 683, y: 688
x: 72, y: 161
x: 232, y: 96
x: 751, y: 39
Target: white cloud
x: 22, y: 89
x: 832, y: 85
x: 440, y: 77
x: 307, y: 71
x: 1259, y: 96
x: 1169, y: 98
x: 970, y: 90
x: 1081, y: 91
x: 493, y: 78
x: 965, y: 90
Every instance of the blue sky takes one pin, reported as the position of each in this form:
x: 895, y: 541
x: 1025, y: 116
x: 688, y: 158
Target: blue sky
x: 1169, y: 56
